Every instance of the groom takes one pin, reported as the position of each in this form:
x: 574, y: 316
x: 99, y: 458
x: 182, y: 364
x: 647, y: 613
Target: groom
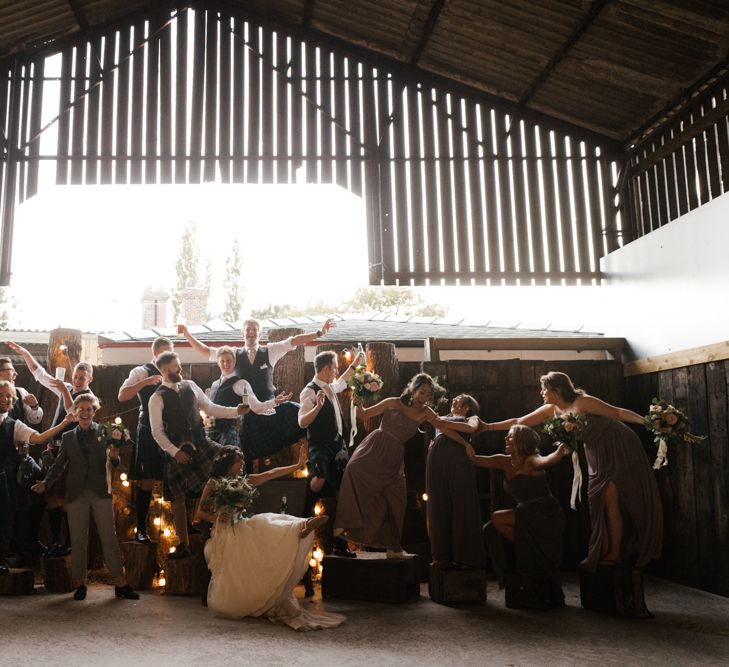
x: 321, y: 415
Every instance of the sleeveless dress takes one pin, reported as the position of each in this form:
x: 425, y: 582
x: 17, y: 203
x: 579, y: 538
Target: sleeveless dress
x: 614, y: 453
x: 538, y: 533
x: 372, y: 499
x: 454, y: 511
x: 256, y: 564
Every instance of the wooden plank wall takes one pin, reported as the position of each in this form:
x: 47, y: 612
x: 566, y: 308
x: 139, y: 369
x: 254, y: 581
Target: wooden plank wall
x: 695, y: 485
x: 680, y: 166
x: 456, y: 185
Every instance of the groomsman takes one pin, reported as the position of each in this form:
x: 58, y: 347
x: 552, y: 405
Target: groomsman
x: 26, y: 408
x: 321, y: 415
x: 147, y: 462
x: 174, y: 417
x: 262, y: 436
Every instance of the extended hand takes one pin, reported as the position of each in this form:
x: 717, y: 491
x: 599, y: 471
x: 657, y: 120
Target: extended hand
x: 39, y: 488
x: 182, y: 457
x: 57, y: 384
x: 328, y: 324
x: 153, y: 380
x: 283, y: 397
x: 471, y: 453
x: 320, y: 398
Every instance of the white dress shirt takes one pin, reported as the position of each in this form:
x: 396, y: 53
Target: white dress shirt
x: 202, y: 402
x: 259, y: 407
x: 21, y: 432
x: 136, y: 375
x: 307, y: 399
x: 275, y: 350
x: 33, y: 415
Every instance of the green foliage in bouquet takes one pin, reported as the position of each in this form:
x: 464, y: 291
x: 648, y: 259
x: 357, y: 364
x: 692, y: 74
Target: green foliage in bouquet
x: 113, y: 434
x: 669, y: 423
x: 365, y: 384
x: 232, y: 495
x: 567, y: 428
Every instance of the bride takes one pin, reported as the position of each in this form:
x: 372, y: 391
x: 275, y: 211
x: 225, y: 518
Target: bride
x: 257, y: 562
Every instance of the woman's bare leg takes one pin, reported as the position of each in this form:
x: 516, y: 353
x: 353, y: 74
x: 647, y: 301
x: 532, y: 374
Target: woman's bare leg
x: 505, y: 522
x: 611, y: 551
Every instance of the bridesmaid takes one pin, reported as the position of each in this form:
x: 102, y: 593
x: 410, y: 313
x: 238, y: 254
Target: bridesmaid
x: 625, y: 506
x: 372, y: 498
x: 536, y: 526
x: 454, y: 512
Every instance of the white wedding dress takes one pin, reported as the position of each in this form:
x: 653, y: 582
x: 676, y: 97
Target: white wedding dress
x: 256, y: 564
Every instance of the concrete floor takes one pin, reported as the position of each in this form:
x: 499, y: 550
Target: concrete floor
x: 690, y: 628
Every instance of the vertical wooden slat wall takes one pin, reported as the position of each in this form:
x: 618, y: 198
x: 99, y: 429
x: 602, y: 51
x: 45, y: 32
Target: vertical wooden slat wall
x: 684, y: 164
x: 455, y: 190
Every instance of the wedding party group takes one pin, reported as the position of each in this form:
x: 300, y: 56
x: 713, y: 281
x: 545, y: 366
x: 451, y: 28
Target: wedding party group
x: 365, y: 484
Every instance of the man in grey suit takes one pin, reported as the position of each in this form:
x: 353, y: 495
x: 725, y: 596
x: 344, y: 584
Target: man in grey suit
x: 84, y: 455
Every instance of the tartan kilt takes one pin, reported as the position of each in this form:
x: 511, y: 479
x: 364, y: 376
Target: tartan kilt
x: 263, y: 435
x: 147, y: 456
x: 225, y: 436
x: 190, y: 478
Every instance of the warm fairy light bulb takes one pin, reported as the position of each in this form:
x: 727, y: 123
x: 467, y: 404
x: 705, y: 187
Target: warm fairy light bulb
x: 172, y: 550
x: 135, y: 530
x: 313, y: 563
x: 160, y: 500
x: 202, y: 414
x: 123, y: 477
x: 318, y: 554
x: 117, y: 421
x: 167, y: 532
x: 424, y: 496
x: 305, y: 472
x: 62, y: 348
x: 157, y: 521
x: 125, y: 483
x: 348, y: 355
x: 162, y: 581
x: 317, y: 509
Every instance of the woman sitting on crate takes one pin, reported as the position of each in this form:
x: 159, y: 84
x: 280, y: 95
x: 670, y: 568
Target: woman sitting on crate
x: 256, y: 561
x: 536, y: 525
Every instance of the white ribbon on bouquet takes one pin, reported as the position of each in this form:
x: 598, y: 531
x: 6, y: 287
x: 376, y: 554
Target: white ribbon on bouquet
x: 576, y: 480
x: 353, y: 419
x: 661, y: 455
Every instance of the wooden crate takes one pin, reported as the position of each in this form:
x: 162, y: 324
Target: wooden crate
x: 140, y: 561
x: 18, y: 581
x: 616, y: 590
x: 57, y: 576
x: 371, y: 577
x: 454, y: 586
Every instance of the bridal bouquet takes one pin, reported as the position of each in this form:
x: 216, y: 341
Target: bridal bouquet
x: 365, y: 384
x: 669, y: 425
x: 568, y: 428
x: 112, y: 434
x: 232, y: 495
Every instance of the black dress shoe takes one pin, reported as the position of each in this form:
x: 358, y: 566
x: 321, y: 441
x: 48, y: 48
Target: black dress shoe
x: 126, y: 592
x: 80, y: 593
x: 142, y: 538
x: 181, y: 552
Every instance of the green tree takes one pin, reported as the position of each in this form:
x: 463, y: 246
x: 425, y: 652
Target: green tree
x: 392, y: 299
x: 187, y: 267
x: 4, y: 304
x: 234, y: 291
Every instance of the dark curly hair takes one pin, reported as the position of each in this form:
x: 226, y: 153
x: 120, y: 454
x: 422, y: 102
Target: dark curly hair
x: 419, y: 380
x: 225, y: 458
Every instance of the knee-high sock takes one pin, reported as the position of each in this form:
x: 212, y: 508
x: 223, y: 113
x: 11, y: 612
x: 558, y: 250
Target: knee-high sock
x: 179, y: 516
x: 144, y: 498
x: 55, y: 519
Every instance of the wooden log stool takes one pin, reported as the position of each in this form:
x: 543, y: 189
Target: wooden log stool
x: 57, y: 576
x: 371, y: 577
x: 186, y: 576
x: 18, y: 581
x: 456, y: 585
x: 616, y: 590
x: 527, y: 591
x: 140, y: 561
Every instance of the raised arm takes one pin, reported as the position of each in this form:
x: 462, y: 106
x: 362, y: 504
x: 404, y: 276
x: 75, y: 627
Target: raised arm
x: 302, y: 339
x: 27, y: 356
x: 138, y: 379
x: 544, y: 462
x: 42, y: 438
x: 539, y: 416
x: 379, y: 408
x: 195, y: 344
x: 471, y: 425
x: 496, y: 461
x: 595, y: 406
x: 275, y: 473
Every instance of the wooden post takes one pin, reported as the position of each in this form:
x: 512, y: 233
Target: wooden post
x: 381, y: 359
x: 64, y: 350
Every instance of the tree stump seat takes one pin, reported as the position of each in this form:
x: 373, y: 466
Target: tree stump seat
x: 371, y: 577
x: 527, y: 591
x: 615, y: 590
x: 57, y: 576
x: 140, y: 561
x: 18, y: 581
x: 185, y: 576
x: 456, y: 586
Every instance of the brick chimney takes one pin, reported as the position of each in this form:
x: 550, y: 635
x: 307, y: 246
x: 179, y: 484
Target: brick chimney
x: 194, y: 305
x: 154, y: 308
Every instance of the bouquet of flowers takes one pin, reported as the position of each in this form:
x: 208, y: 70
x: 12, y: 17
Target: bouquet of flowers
x: 568, y: 428
x: 112, y: 434
x: 365, y: 384
x: 232, y: 495
x: 669, y: 425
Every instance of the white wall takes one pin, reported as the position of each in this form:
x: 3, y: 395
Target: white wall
x: 669, y: 290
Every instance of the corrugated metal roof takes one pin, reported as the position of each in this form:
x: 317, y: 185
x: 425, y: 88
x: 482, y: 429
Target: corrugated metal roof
x: 627, y: 63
